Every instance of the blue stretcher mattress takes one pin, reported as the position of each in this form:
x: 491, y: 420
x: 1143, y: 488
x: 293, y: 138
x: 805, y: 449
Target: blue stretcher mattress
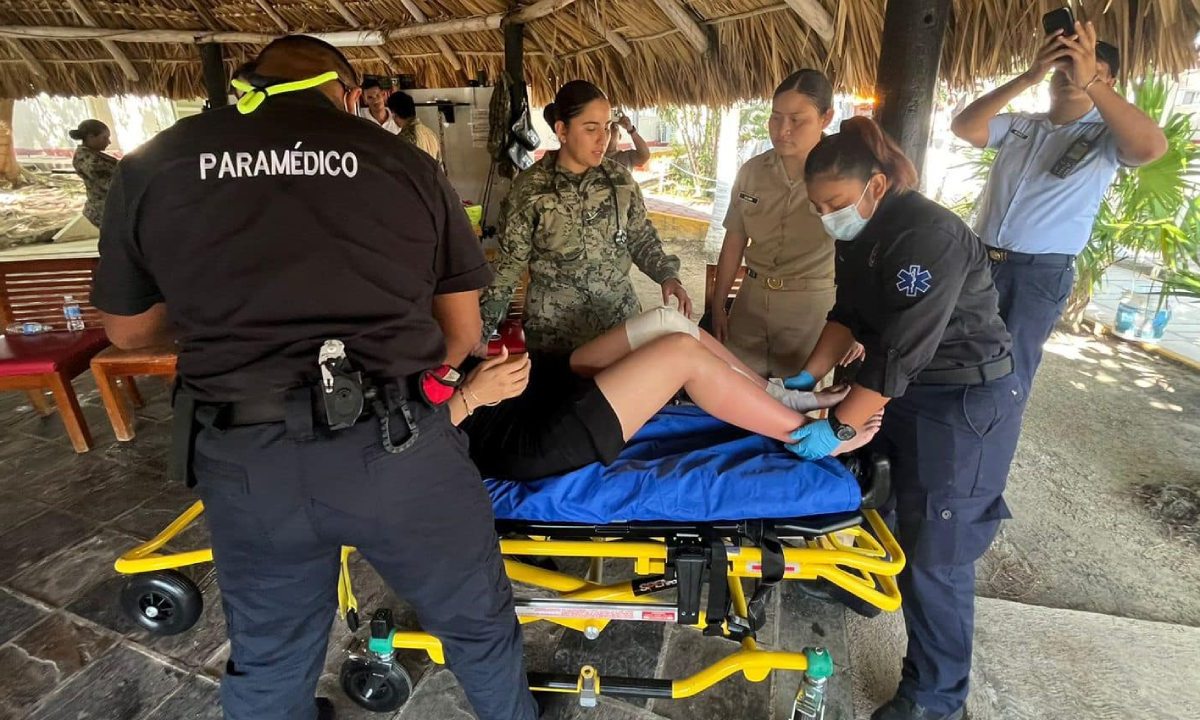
x: 684, y: 466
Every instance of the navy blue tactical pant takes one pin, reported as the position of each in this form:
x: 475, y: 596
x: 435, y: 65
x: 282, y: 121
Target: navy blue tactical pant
x: 280, y: 508
x: 1033, y: 289
x: 951, y: 447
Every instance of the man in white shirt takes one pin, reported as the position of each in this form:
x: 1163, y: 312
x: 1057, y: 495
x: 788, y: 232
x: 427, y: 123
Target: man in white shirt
x: 377, y: 110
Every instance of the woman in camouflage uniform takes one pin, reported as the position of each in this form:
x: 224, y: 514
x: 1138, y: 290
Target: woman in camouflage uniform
x: 577, y: 222
x: 95, y: 166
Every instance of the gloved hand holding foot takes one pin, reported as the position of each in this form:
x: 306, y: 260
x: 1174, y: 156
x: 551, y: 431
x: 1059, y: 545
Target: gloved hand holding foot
x: 802, y: 381
x: 814, y: 440
x: 802, y: 401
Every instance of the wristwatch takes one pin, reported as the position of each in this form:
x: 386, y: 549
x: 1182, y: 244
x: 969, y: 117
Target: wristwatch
x: 841, y: 430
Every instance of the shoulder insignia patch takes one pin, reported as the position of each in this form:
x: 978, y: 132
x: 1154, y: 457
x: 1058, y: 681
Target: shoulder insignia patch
x: 914, y: 280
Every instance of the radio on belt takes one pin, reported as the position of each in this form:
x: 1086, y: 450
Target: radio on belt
x: 341, y: 386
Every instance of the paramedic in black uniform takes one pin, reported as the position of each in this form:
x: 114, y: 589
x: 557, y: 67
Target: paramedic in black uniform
x: 242, y: 230
x: 914, y: 286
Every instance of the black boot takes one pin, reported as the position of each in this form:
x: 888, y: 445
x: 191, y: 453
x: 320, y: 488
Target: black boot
x: 324, y: 709
x: 901, y: 708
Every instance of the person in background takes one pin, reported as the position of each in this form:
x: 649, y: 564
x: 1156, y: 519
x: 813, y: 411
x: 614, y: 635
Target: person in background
x: 404, y: 113
x: 377, y: 110
x: 638, y: 156
x: 915, y: 287
x: 576, y: 222
x: 95, y: 166
x: 1049, y: 177
x: 789, y: 286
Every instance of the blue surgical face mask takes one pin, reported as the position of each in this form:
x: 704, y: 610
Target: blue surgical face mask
x: 847, y: 223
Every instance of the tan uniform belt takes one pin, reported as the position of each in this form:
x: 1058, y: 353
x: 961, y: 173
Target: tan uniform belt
x: 790, y: 283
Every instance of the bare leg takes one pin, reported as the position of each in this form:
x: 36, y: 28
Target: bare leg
x: 639, y: 384
x: 595, y: 355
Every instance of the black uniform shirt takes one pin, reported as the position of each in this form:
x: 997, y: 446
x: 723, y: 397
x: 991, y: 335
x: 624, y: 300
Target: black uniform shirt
x: 268, y: 233
x: 915, y: 287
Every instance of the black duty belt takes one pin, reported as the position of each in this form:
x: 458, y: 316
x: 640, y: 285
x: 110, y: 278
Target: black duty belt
x: 279, y: 406
x: 978, y: 375
x: 997, y: 255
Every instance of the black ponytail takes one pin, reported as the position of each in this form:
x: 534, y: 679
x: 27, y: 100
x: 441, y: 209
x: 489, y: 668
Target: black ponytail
x: 812, y: 84
x: 573, y: 97
x: 859, y: 150
x: 87, y: 129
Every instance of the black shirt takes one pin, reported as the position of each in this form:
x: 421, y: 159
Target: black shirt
x: 268, y: 233
x: 915, y: 288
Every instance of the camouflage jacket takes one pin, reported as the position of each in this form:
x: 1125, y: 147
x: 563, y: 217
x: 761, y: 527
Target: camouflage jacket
x: 578, y: 243
x: 96, y: 169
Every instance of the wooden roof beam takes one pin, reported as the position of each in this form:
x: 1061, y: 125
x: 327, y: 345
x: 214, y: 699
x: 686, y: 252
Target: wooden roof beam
x: 271, y: 13
x: 353, y: 22
x: 27, y: 57
x: 814, y: 14
x: 683, y: 19
x: 117, y: 53
x: 443, y: 46
x: 612, y: 37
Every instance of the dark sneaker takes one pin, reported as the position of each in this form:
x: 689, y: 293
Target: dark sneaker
x: 901, y: 708
x: 324, y: 709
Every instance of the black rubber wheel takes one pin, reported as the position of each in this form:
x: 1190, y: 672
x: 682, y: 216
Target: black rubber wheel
x: 164, y: 602
x: 375, y: 689
x: 825, y: 591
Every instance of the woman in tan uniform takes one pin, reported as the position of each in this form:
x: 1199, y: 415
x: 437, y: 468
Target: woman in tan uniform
x: 788, y: 291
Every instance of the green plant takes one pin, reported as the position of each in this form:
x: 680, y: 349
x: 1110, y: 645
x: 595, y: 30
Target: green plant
x: 1151, y: 211
x: 695, y: 147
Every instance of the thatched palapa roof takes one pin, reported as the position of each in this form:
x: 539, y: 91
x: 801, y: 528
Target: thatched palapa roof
x: 643, y: 52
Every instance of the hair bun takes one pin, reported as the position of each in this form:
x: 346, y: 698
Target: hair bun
x: 75, y: 135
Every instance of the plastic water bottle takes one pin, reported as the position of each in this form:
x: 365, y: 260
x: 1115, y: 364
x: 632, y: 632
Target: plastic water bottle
x: 27, y: 328
x: 73, y: 313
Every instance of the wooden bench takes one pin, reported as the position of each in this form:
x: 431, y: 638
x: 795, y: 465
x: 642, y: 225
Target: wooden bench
x: 33, y: 291
x: 112, y: 365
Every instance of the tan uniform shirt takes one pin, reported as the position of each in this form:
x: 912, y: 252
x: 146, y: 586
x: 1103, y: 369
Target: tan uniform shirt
x: 417, y: 133
x: 778, y: 315
x: 787, y: 239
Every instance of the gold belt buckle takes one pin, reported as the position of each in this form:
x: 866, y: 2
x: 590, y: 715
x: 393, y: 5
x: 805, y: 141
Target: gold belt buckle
x: 775, y: 283
x: 997, y: 255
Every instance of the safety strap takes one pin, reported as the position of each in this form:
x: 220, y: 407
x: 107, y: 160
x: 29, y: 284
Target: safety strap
x: 718, y: 589
x: 255, y: 95
x: 773, y: 568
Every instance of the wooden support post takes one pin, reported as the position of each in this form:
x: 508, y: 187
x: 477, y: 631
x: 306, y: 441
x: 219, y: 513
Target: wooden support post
x: 814, y: 14
x: 117, y: 53
x: 682, y: 18
x: 216, y: 83
x: 913, y: 32
x: 514, y: 52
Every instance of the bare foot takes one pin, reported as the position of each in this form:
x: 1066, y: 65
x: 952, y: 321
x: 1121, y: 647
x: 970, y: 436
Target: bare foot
x: 864, y: 436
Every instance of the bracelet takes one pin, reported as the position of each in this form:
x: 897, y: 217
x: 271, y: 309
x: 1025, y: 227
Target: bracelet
x: 466, y: 405
x: 1093, y: 81
x: 476, y: 398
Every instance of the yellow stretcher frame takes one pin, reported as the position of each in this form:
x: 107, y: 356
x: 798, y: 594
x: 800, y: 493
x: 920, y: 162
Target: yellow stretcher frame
x: 863, y: 561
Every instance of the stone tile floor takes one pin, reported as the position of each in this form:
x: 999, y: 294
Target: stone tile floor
x: 67, y: 651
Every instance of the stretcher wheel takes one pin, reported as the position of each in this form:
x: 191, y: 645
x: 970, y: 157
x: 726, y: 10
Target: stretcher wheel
x: 376, y: 686
x: 164, y: 602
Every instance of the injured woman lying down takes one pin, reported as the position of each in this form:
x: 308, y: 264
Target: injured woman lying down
x: 532, y: 417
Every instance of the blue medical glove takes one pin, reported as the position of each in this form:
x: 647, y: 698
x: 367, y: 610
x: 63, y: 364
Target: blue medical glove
x: 803, y: 381
x: 814, y: 441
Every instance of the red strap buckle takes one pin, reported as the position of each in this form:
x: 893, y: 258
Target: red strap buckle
x: 438, y: 384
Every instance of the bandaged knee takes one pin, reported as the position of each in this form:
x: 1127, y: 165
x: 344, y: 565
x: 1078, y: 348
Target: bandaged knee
x: 657, y: 323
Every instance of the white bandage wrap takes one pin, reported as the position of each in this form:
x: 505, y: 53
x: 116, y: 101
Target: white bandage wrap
x: 656, y: 323
x: 797, y: 400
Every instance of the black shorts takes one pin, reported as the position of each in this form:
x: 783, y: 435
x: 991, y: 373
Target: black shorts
x: 561, y: 423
